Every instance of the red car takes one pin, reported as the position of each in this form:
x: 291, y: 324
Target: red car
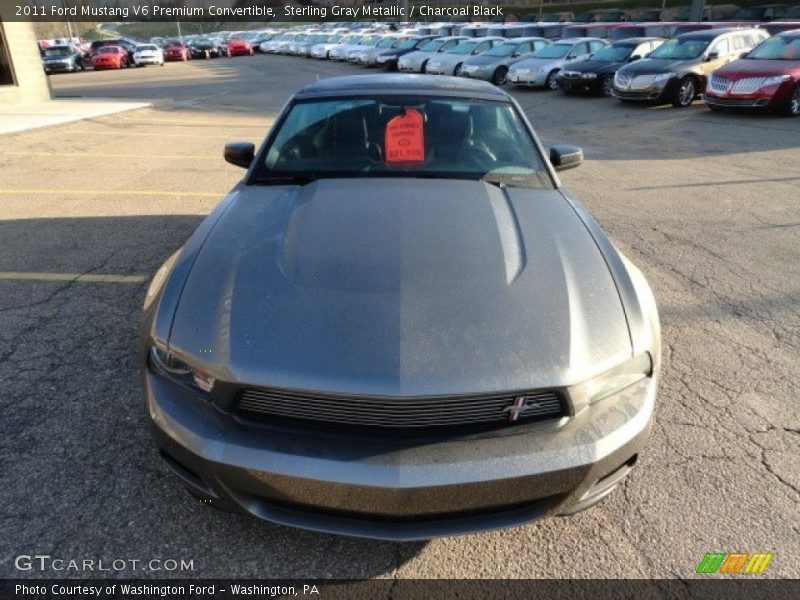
x: 239, y: 47
x: 766, y: 77
x: 176, y: 51
x: 110, y: 57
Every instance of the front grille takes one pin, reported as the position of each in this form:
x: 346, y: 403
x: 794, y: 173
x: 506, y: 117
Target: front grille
x: 747, y: 86
x: 570, y: 74
x: 641, y: 82
x: 717, y: 84
x: 398, y: 413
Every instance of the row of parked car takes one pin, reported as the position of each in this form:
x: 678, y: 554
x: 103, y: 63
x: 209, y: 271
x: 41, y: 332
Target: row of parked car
x: 71, y: 56
x: 741, y: 66
x: 763, y: 12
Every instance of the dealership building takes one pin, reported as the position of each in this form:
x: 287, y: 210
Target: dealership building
x: 22, y: 79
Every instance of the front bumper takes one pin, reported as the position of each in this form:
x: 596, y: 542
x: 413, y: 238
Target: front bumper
x: 410, y: 65
x: 579, y: 85
x: 528, y: 78
x: 390, y: 489
x: 482, y: 74
x: 757, y: 102
x: 60, y: 67
x: 657, y: 91
x: 438, y: 69
x: 148, y: 60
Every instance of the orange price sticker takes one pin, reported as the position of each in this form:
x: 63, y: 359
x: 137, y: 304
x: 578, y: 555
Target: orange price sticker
x: 405, y: 138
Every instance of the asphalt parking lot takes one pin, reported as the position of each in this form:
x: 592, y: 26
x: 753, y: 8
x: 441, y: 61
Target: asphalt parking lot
x: 706, y: 204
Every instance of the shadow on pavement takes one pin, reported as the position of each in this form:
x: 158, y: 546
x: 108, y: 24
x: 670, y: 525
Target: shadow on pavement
x: 80, y: 474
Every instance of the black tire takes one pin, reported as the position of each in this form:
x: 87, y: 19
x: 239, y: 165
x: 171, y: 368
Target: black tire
x: 499, y: 76
x: 793, y: 105
x: 457, y: 70
x: 551, y: 83
x: 607, y: 85
x: 684, y: 93
x: 424, y: 67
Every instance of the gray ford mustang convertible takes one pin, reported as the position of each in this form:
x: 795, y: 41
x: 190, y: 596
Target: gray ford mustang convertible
x: 398, y: 324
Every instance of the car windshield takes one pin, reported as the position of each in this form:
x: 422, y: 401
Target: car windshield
x: 793, y: 13
x: 407, y: 44
x: 398, y: 136
x: 149, y: 47
x: 553, y: 51
x: 502, y: 50
x: 680, y: 49
x: 464, y: 48
x: 777, y: 48
x: 433, y: 45
x: 613, y: 17
x: 107, y: 50
x: 387, y: 42
x: 57, y: 51
x: 613, y: 53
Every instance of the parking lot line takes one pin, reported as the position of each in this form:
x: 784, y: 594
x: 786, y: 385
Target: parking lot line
x: 88, y: 278
x: 112, y: 192
x: 158, y: 134
x: 105, y: 155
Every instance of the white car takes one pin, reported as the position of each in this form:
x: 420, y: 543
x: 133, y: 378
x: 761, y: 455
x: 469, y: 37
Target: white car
x: 148, y: 54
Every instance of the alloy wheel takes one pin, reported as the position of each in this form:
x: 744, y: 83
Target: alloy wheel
x: 499, y: 77
x: 552, y: 82
x: 607, y: 85
x: 686, y: 93
x: 794, y: 102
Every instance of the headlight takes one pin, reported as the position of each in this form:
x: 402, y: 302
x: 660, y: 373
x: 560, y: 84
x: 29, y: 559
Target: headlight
x: 775, y: 80
x: 589, y: 76
x: 663, y: 76
x: 618, y: 378
x: 170, y: 366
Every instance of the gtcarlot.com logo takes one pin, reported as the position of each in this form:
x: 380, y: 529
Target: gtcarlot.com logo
x: 736, y: 562
x: 45, y: 562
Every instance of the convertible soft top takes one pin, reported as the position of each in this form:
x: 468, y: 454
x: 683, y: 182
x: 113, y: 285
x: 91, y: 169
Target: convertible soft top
x: 394, y: 83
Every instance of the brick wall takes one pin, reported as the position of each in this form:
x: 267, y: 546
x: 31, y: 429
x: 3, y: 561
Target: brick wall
x: 31, y: 82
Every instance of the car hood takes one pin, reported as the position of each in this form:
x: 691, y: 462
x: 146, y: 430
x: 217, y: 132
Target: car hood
x: 760, y: 68
x: 595, y: 66
x: 419, y: 54
x: 483, y: 60
x: 537, y: 63
x: 659, y: 65
x: 406, y: 287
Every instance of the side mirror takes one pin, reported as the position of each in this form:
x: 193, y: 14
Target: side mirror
x: 565, y: 157
x: 240, y: 154
x: 634, y: 57
x: 712, y: 56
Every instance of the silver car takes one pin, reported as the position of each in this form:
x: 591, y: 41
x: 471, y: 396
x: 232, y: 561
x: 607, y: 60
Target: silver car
x: 493, y: 64
x: 450, y: 63
x: 416, y: 62
x: 369, y: 56
x: 399, y: 324
x: 323, y: 49
x: 371, y: 42
x: 340, y: 52
x: 542, y: 68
